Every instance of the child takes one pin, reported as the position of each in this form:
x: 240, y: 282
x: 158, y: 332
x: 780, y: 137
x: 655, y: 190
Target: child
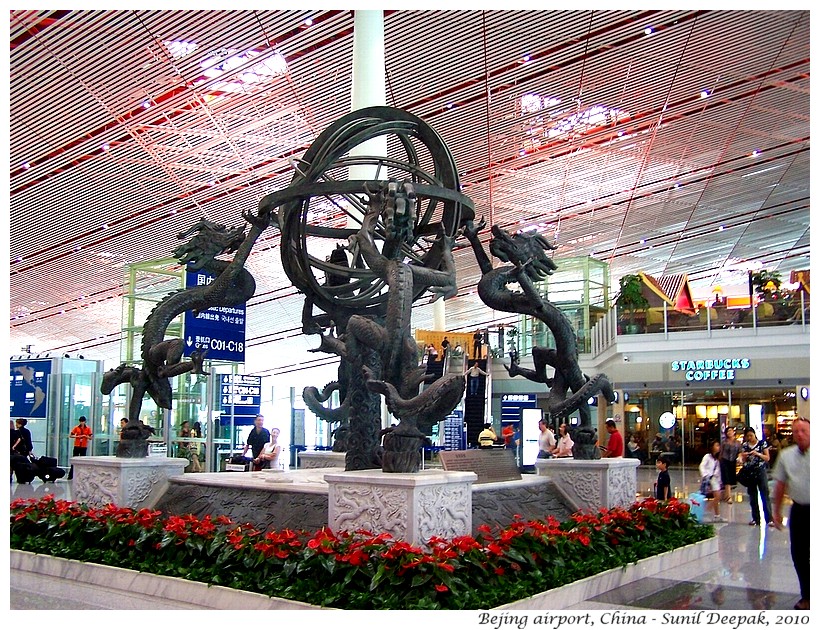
x: 663, y: 490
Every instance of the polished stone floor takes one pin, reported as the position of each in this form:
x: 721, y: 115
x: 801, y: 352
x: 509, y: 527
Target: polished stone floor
x: 752, y: 571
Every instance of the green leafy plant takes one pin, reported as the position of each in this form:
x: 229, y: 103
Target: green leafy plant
x: 358, y: 570
x: 630, y: 296
x: 766, y: 283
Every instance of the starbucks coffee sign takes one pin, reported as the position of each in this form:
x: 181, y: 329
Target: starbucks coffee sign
x: 711, y: 369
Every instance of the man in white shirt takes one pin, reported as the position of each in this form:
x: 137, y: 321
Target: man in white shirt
x: 473, y: 378
x: 792, y: 473
x: 546, y: 440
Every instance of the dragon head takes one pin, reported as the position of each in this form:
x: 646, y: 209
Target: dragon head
x: 525, y: 251
x: 209, y: 241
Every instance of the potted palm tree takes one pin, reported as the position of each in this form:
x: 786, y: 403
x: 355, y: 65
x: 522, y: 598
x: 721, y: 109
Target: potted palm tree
x: 630, y: 300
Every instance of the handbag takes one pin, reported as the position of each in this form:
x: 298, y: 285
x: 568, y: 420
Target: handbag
x: 747, y: 475
x: 705, y: 486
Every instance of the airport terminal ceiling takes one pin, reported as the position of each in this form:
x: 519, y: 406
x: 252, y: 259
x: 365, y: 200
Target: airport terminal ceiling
x: 659, y: 141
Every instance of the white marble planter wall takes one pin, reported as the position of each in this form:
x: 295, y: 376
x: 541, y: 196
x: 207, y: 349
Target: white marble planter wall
x: 685, y: 563
x: 595, y: 483
x: 97, y: 586
x: 112, y: 588
x: 409, y: 506
x: 125, y: 482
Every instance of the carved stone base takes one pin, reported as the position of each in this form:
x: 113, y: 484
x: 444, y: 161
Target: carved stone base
x: 321, y: 459
x: 593, y: 484
x: 410, y: 507
x: 125, y: 482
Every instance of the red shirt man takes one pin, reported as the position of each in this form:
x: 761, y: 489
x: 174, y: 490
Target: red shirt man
x: 81, y: 433
x: 615, y: 446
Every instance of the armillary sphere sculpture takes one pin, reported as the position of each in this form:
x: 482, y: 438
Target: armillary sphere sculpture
x: 362, y: 251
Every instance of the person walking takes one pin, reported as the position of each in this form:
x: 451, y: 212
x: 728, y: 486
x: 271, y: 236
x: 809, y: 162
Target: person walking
x: 546, y: 440
x: 478, y: 340
x: 729, y: 450
x: 257, y: 438
x: 269, y: 457
x: 710, y: 485
x: 445, y: 347
x: 24, y: 446
x: 487, y: 437
x: 81, y: 434
x: 615, y: 445
x: 791, y: 473
x: 663, y: 486
x: 564, y: 446
x: 755, y: 454
x: 473, y: 375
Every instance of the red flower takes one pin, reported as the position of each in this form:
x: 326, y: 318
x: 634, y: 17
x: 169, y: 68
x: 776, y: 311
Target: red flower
x: 441, y: 588
x: 499, y: 571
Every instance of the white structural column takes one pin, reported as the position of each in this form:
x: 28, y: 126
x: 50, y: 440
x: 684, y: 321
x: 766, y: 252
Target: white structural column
x: 368, y: 82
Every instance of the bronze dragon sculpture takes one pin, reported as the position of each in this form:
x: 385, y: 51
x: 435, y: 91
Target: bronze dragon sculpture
x: 569, y: 388
x: 162, y: 358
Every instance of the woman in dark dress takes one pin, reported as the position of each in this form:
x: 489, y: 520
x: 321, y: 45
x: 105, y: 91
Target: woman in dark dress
x: 755, y: 454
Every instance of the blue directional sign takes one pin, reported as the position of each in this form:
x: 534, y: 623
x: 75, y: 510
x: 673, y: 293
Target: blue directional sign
x: 28, y: 385
x: 242, y: 395
x: 220, y: 329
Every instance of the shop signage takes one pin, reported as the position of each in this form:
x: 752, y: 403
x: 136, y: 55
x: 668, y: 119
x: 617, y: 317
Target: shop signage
x: 667, y: 420
x: 711, y: 369
x: 220, y: 329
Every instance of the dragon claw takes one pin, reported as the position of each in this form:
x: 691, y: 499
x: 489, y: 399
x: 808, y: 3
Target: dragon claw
x: 197, y: 359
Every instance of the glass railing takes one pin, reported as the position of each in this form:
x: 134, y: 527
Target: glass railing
x: 665, y: 320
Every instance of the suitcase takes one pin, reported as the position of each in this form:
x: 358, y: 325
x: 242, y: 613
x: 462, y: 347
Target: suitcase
x: 24, y: 470
x: 52, y: 473
x: 697, y: 506
x: 46, y: 462
x: 238, y: 463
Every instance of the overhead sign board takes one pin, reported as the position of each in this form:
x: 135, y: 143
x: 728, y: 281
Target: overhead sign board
x: 241, y: 396
x: 28, y: 385
x: 220, y: 329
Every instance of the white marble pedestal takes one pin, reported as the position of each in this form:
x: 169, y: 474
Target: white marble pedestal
x: 321, y: 459
x: 593, y: 483
x: 125, y: 482
x: 409, y: 506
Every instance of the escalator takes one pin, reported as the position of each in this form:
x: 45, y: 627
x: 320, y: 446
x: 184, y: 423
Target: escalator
x: 475, y: 402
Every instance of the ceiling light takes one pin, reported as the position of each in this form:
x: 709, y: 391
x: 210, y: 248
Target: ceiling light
x: 677, y: 184
x: 308, y: 22
x: 105, y: 147
x: 648, y: 30
x: 19, y: 259
x: 705, y: 93
x: 178, y: 48
x: 720, y: 228
x: 643, y: 241
x: 146, y: 104
x: 755, y: 153
x: 26, y: 165
x: 104, y: 226
x: 526, y: 58
x: 78, y: 248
